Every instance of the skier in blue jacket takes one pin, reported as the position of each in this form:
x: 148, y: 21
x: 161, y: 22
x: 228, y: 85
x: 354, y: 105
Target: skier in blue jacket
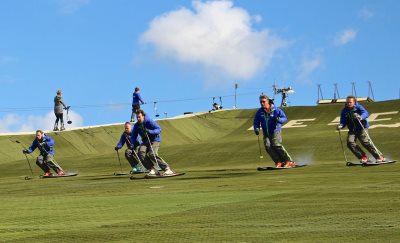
x: 150, y: 134
x: 136, y: 102
x: 271, y: 119
x: 45, y: 160
x: 132, y: 148
x: 354, y: 116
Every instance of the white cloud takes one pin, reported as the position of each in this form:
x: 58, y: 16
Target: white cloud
x: 345, y: 37
x: 215, y: 35
x: 307, y: 67
x: 366, y: 13
x: 17, y: 123
x: 7, y: 122
x: 71, y: 6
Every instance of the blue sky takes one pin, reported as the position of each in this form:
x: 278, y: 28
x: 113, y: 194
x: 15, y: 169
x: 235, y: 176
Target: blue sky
x: 182, y: 53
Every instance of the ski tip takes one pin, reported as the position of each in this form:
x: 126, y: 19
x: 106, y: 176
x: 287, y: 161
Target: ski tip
x: 121, y: 173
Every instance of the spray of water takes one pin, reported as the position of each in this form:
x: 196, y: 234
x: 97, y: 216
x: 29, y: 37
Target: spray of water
x: 304, y: 159
x: 388, y: 157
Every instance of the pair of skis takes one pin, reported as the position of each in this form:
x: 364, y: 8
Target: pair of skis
x: 370, y: 163
x: 158, y: 176
x: 278, y: 168
x: 147, y: 176
x: 52, y: 176
x: 59, y: 176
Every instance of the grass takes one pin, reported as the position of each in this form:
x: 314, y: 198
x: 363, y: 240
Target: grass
x: 222, y: 198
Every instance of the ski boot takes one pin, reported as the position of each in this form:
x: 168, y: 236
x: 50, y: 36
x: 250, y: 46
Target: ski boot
x: 380, y: 159
x: 55, y: 127
x: 290, y: 164
x: 153, y: 172
x: 48, y: 174
x: 364, y: 159
x: 136, y: 169
x: 62, y: 127
x: 168, y: 172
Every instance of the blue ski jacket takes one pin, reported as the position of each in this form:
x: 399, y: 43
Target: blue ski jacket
x: 347, y: 118
x: 270, y: 122
x: 45, y: 145
x: 148, y: 126
x: 126, y: 138
x: 136, y: 99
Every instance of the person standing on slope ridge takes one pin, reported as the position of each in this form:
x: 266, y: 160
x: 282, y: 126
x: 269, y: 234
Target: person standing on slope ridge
x: 136, y: 102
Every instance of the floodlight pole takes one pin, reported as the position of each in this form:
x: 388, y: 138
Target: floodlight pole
x: 371, y: 92
x: 353, y: 89
x: 336, y: 92
x: 236, y: 87
x: 320, y: 92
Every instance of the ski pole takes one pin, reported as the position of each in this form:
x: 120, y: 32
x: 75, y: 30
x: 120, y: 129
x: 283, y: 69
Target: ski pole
x: 151, y: 147
x: 341, y: 143
x: 259, y: 147
x: 43, y: 150
x: 369, y: 138
x: 27, y: 160
x: 119, y: 160
x: 56, y: 164
x: 29, y: 163
x: 138, y: 159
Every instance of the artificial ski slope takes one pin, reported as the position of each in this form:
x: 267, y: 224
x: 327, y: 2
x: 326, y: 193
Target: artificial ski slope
x: 222, y: 197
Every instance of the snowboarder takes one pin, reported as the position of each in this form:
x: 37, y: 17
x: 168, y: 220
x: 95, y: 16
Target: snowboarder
x: 150, y: 134
x: 46, y: 158
x: 132, y: 148
x: 271, y: 119
x: 354, y: 116
x: 59, y: 104
x: 136, y: 102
